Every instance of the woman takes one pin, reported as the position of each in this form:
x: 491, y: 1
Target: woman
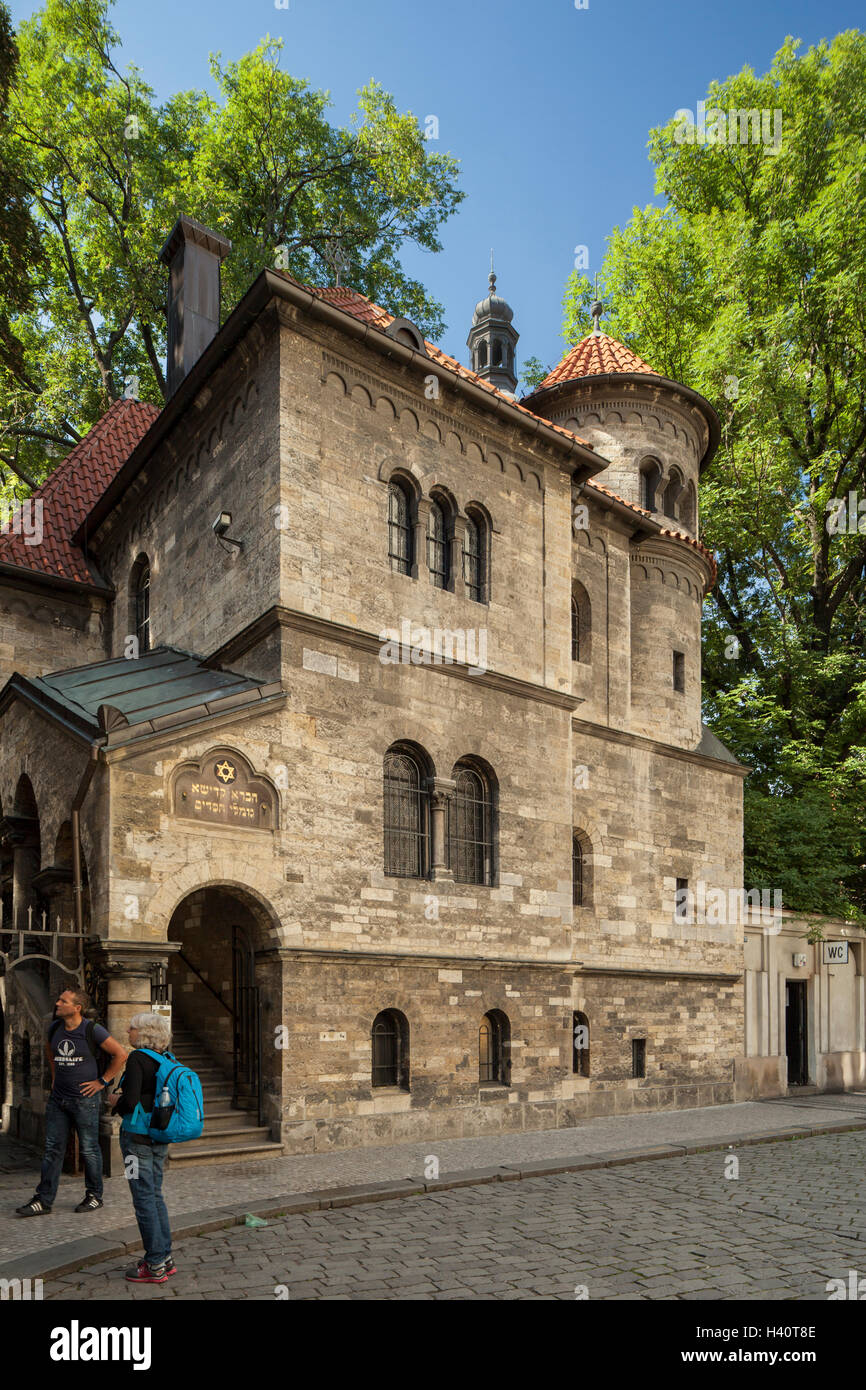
x: 145, y: 1173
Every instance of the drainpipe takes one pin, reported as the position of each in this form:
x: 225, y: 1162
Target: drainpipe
x: 86, y: 779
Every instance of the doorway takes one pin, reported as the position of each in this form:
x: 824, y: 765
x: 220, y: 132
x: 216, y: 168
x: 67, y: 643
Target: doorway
x: 796, y: 1032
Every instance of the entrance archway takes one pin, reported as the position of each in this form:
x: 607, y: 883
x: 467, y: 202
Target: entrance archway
x: 224, y: 995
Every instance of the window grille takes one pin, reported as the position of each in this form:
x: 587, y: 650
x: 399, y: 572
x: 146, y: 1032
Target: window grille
x: 474, y: 560
x: 470, y: 829
x: 576, y: 872
x: 437, y: 546
x: 399, y: 529
x: 575, y: 631
x: 638, y: 1057
x: 494, y: 1063
x: 390, y: 1050
x: 142, y: 609
x: 406, y: 818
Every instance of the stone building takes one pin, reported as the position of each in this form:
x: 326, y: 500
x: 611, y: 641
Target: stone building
x: 356, y: 705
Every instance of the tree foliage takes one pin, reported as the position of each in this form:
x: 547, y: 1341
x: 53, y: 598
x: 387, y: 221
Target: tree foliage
x: 106, y: 170
x: 749, y: 284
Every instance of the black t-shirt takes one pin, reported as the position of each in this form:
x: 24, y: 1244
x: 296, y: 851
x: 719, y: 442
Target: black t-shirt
x: 139, y: 1084
x: 73, y: 1060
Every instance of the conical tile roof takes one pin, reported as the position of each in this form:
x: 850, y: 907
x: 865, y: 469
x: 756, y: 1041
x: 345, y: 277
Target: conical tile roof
x: 596, y: 355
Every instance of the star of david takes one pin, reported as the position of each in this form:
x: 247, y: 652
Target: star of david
x: 225, y: 771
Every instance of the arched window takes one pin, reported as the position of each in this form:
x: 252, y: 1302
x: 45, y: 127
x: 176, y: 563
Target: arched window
x: 580, y: 1044
x: 576, y: 872
x: 494, y: 1049
x: 475, y: 556
x: 470, y: 827
x: 439, y: 545
x: 687, y: 508
x: 400, y: 530
x: 407, y: 817
x: 672, y: 492
x: 581, y: 869
x: 497, y: 353
x: 482, y: 353
x: 581, y: 624
x: 140, y: 595
x: 390, y: 1038
x: 650, y: 477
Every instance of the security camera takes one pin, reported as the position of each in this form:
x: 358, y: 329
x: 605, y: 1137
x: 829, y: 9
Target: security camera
x: 220, y: 529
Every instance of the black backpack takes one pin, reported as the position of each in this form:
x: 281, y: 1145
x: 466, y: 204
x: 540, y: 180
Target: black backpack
x: 100, y: 1056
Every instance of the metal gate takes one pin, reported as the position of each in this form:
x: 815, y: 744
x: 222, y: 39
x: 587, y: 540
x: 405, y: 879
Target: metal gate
x: 247, y: 1010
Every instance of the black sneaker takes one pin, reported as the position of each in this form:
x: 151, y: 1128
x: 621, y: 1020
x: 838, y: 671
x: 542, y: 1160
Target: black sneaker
x: 35, y: 1207
x: 90, y: 1203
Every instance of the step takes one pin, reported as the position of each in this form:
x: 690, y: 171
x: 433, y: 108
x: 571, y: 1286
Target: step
x: 243, y: 1133
x: 218, y: 1153
x: 235, y: 1119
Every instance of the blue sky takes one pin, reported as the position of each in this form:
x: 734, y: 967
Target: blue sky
x: 546, y: 106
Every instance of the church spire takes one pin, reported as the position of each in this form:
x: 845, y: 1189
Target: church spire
x: 493, y: 338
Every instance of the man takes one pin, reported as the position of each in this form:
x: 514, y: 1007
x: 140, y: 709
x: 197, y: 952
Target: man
x: 76, y: 1089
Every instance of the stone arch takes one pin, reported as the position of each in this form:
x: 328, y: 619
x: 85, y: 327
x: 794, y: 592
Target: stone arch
x: 361, y: 396
x: 335, y: 382
x: 385, y: 407
x: 226, y: 873
x: 409, y: 421
x: 432, y: 431
x: 474, y: 453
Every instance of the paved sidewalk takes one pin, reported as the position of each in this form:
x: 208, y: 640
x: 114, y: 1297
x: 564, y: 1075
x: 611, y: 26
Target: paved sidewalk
x: 204, y: 1191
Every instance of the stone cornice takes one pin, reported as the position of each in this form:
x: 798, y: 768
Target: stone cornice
x: 650, y: 745
x: 328, y: 631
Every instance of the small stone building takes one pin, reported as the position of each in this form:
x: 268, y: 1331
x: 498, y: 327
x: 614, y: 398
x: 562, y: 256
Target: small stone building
x: 355, y: 706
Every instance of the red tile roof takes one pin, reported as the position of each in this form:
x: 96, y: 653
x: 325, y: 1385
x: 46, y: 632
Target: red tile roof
x: 73, y: 488
x: 596, y: 355
x: 80, y: 480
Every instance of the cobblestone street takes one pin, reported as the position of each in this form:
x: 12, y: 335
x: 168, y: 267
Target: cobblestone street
x: 665, y: 1229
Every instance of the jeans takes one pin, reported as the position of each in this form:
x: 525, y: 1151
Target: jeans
x: 82, y: 1113
x: 145, y: 1184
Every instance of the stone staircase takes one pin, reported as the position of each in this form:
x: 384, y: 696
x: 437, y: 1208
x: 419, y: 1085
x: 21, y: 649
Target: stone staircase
x: 231, y: 1133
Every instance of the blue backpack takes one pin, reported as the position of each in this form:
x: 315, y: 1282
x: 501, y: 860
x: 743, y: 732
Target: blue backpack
x: 179, y: 1111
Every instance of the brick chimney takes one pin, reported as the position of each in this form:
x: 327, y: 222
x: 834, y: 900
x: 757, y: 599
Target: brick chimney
x: 193, y: 254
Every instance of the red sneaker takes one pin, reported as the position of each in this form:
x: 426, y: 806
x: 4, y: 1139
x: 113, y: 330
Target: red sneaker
x: 143, y: 1273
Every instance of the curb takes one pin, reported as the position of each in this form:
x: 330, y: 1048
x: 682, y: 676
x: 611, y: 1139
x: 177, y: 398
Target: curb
x: 78, y: 1254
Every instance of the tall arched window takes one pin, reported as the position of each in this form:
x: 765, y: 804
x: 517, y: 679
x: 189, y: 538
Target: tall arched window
x: 650, y: 477
x: 672, y: 492
x: 580, y: 1044
x: 576, y: 872
x: 475, y: 556
x: 140, y: 594
x: 482, y: 353
x: 687, y: 508
x: 494, y: 1049
x: 470, y: 827
x: 400, y: 528
x: 390, y: 1039
x: 438, y: 545
x: 581, y: 624
x: 407, y: 816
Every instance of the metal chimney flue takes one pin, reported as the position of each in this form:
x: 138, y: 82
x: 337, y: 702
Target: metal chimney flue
x: 193, y: 254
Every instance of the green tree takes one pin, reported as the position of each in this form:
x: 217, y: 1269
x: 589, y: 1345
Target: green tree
x: 107, y: 170
x: 749, y: 284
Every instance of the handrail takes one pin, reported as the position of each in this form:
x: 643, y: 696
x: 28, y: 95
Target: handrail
x: 216, y: 994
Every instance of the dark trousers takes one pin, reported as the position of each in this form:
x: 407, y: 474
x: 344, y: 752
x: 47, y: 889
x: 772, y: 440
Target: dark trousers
x: 82, y: 1114
x: 144, y: 1164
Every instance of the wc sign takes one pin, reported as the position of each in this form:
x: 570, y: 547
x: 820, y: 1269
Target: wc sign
x: 834, y: 953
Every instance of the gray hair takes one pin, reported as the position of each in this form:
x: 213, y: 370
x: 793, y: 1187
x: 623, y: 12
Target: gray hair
x: 153, y: 1031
